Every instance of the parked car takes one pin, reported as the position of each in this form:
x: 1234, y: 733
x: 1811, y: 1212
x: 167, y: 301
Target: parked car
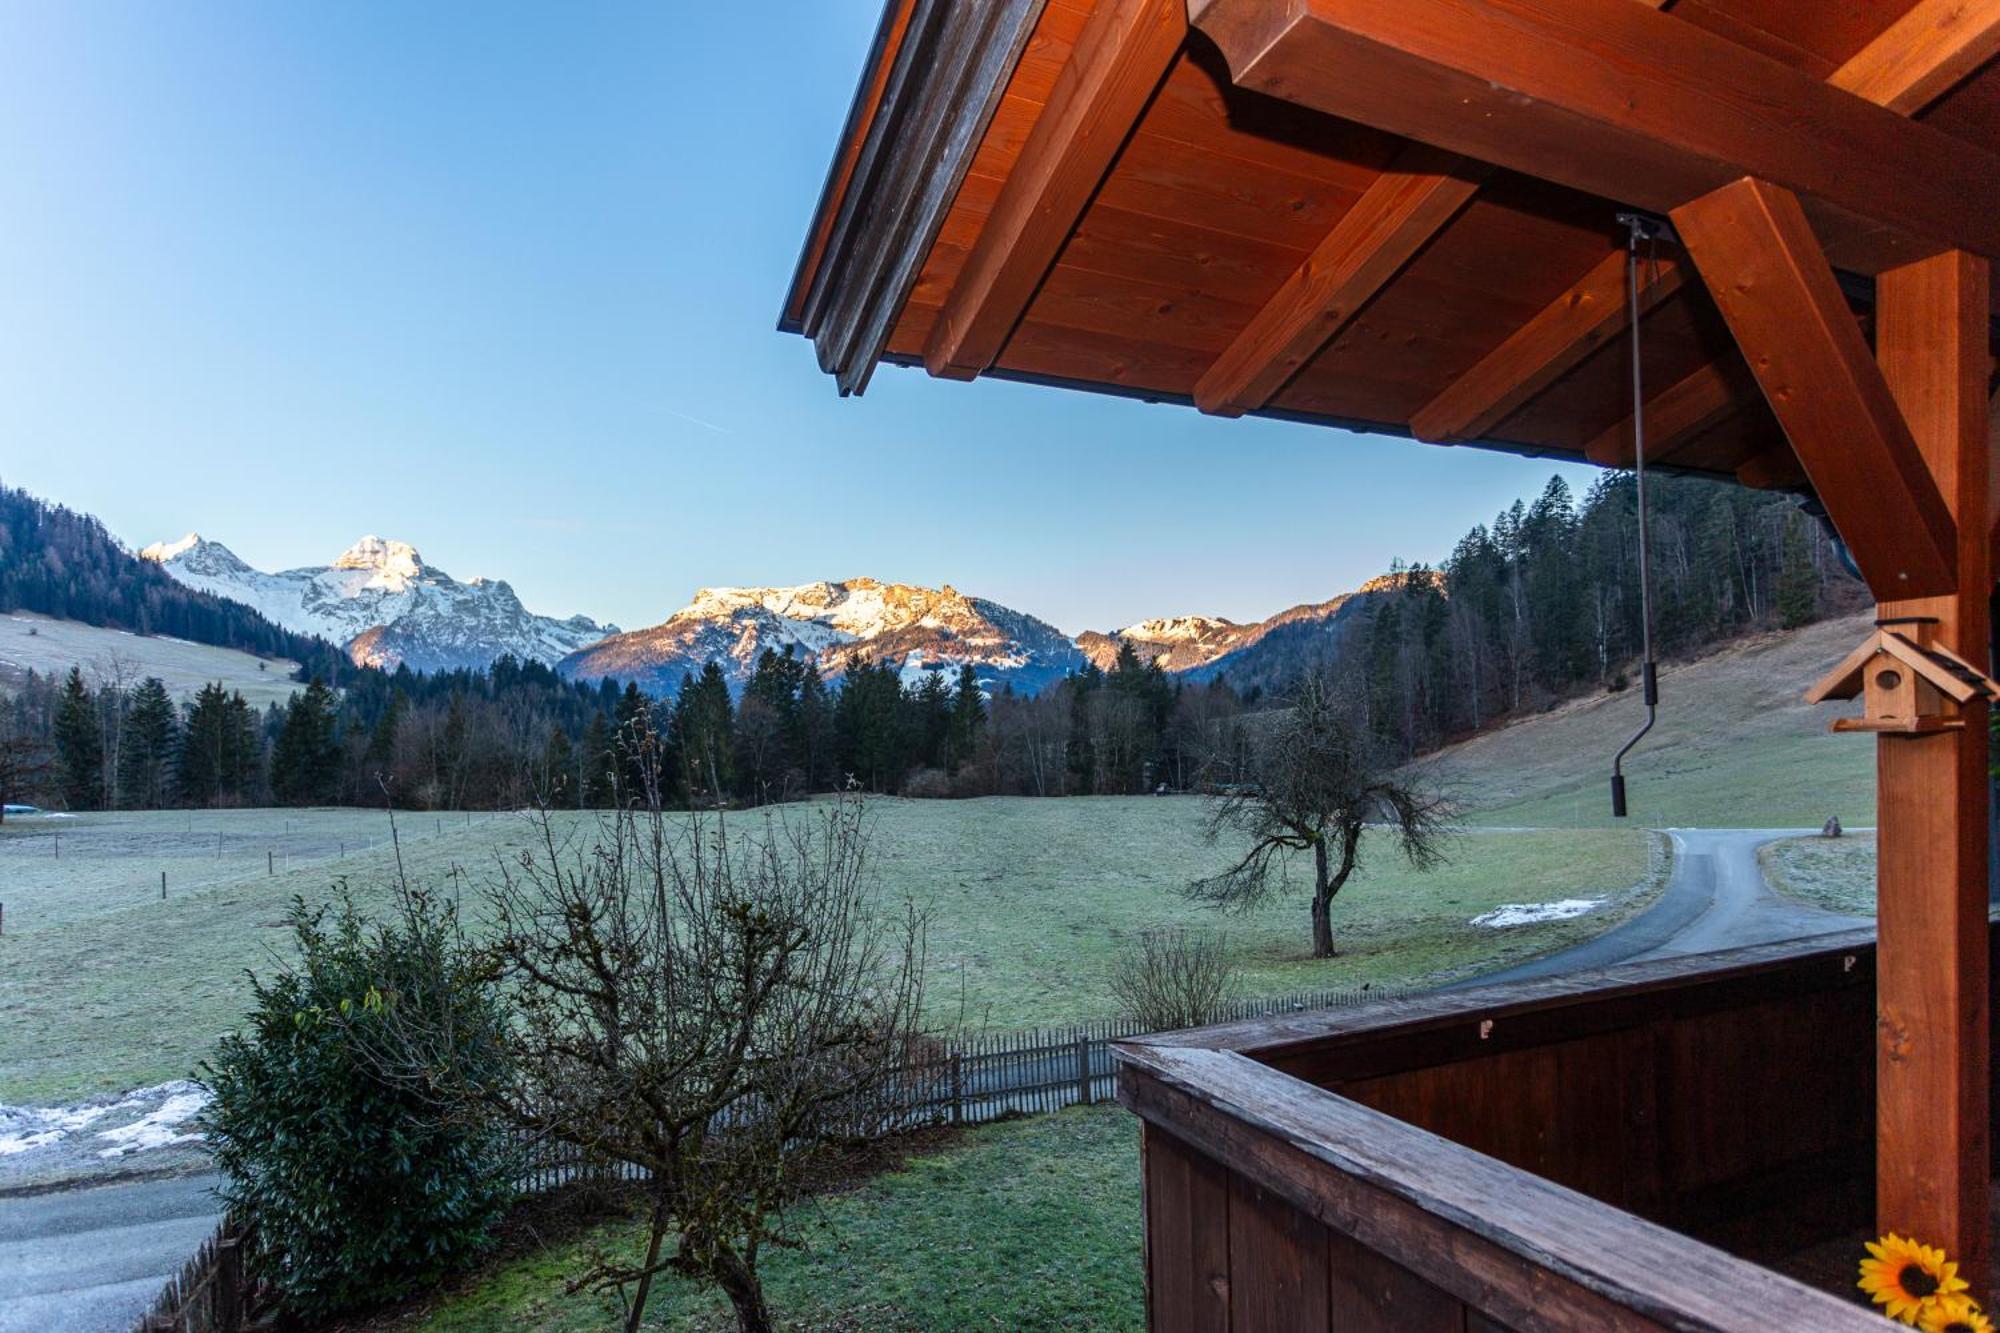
x: 12, y: 810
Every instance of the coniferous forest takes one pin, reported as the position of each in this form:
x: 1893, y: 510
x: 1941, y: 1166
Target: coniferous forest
x: 1535, y: 607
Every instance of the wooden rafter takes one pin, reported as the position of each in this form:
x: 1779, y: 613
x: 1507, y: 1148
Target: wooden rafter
x: 1396, y: 217
x: 1622, y: 101
x: 1541, y: 351
x: 1674, y: 416
x: 1909, y: 65
x: 1765, y: 269
x: 1120, y: 57
x: 1923, y: 55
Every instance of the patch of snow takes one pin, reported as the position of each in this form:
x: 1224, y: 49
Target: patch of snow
x: 23, y: 1128
x: 160, y: 1127
x: 145, y: 1118
x: 1531, y: 914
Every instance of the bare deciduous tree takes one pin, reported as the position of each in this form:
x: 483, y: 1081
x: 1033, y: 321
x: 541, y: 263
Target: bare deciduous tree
x: 1174, y: 978
x: 712, y: 1008
x: 1315, y: 785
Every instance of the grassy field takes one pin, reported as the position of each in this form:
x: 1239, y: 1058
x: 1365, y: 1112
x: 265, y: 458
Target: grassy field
x: 1032, y: 1224
x: 1735, y: 747
x: 1834, y: 873
x: 104, y: 986
x: 52, y: 647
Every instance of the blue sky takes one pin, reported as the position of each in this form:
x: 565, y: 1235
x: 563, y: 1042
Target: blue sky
x: 501, y: 280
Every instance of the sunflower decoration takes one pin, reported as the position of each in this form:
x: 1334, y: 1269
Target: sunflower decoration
x: 1956, y: 1313
x: 1909, y: 1279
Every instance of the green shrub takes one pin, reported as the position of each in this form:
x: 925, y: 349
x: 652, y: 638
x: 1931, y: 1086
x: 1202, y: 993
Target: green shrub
x: 367, y: 1181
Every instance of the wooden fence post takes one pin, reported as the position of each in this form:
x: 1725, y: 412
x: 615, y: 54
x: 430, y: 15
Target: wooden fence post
x: 957, y: 1089
x: 1083, y: 1070
x: 228, y: 1285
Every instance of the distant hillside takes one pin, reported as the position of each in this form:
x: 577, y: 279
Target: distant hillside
x: 51, y: 647
x: 1266, y: 654
x: 60, y: 563
x: 1735, y: 746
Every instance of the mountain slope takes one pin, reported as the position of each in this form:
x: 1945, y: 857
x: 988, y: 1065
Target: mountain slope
x: 1735, y: 746
x: 63, y: 564
x: 838, y: 623
x: 384, y: 605
x: 29, y: 642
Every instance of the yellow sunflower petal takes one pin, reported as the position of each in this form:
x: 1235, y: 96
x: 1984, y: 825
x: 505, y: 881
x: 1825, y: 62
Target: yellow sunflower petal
x: 1955, y: 1314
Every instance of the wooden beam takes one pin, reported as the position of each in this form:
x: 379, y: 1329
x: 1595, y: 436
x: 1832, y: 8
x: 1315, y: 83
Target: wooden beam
x: 1621, y: 101
x: 1923, y: 55
x: 1118, y: 61
x: 1542, y: 351
x: 1373, y: 241
x: 1761, y: 263
x: 1903, y: 69
x: 1933, y: 1149
x: 1772, y: 469
x: 1673, y: 416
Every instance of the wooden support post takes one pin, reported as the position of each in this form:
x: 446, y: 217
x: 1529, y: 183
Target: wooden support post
x: 1932, y: 1156
x: 1083, y: 1070
x: 228, y: 1285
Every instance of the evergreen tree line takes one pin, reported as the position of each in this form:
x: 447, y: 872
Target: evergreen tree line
x: 518, y: 734
x: 1544, y: 602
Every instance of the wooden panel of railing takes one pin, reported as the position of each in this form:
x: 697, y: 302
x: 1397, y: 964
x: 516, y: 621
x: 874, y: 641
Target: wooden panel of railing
x: 1271, y: 1204
x: 1442, y: 1142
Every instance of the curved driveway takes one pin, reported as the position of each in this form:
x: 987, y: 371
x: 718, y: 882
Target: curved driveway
x: 1715, y: 899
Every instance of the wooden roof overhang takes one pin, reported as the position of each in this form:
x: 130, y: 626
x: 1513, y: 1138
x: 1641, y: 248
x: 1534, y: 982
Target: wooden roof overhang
x: 1402, y: 217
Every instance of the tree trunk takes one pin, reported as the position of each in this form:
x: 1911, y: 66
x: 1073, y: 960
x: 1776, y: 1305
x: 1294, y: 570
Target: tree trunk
x: 745, y: 1291
x: 637, y: 1313
x: 1322, y: 904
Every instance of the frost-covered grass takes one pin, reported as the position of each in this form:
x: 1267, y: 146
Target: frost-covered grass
x: 1835, y: 873
x: 29, y: 642
x: 1736, y: 747
x: 103, y: 987
x: 1032, y: 1224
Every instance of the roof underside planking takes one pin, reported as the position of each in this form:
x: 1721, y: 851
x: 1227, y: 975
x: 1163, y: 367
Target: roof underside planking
x: 1399, y: 217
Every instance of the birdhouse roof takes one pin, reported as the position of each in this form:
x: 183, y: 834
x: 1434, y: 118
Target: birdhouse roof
x: 1950, y: 674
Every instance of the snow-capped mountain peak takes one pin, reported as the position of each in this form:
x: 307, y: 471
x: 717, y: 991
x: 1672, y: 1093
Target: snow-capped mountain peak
x: 380, y: 601
x: 388, y: 560
x: 838, y: 623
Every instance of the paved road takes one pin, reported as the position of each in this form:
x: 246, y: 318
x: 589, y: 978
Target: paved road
x: 1716, y: 899
x: 92, y: 1260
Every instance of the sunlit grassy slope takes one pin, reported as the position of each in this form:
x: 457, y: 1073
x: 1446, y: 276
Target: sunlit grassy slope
x: 51, y: 647
x: 1735, y: 747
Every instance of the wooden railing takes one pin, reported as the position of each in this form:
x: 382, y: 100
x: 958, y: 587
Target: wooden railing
x: 1531, y: 1155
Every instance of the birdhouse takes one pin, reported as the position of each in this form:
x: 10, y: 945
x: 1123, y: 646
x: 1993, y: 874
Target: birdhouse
x: 1908, y: 684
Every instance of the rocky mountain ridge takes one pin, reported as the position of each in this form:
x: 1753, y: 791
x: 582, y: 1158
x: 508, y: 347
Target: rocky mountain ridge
x: 384, y: 605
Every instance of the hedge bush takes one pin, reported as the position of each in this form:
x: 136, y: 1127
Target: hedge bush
x: 367, y: 1183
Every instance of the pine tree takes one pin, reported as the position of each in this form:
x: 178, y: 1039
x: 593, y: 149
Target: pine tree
x: 555, y: 784
x: 704, y: 727
x: 305, y: 763
x: 1798, y: 581
x: 813, y: 743
x: 380, y: 755
x: 152, y: 737
x: 597, y: 785
x: 79, y: 746
x: 968, y: 715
